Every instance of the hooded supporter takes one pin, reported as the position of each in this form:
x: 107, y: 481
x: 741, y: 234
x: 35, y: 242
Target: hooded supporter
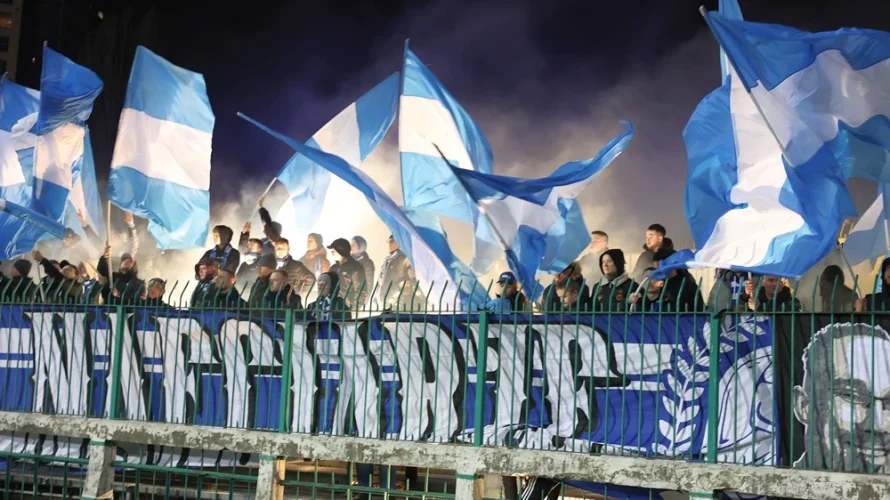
x: 19, y: 287
x: 359, y: 250
x: 614, y: 289
x: 316, y: 257
x: 681, y: 293
x: 879, y: 301
x: 61, y: 285
x: 353, y: 284
x: 835, y: 296
x: 222, y: 251
x: 205, y: 274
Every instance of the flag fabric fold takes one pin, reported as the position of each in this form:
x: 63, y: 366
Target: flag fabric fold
x: 18, y: 112
x: 161, y: 164
x: 352, y: 135
x: 419, y: 234
x: 530, y: 217
x: 67, y: 94
x: 868, y: 239
x: 84, y: 198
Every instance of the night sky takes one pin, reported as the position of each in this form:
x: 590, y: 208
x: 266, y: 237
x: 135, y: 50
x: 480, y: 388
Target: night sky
x: 547, y: 81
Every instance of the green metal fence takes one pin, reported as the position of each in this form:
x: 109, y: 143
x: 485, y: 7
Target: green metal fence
x: 636, y: 366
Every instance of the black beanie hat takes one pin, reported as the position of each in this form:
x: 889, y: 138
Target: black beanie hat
x: 23, y: 267
x: 617, y: 257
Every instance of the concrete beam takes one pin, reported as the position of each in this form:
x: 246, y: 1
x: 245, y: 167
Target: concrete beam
x: 99, y: 483
x: 622, y: 470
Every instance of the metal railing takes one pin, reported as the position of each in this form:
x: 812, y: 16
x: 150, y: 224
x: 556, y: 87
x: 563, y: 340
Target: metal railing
x: 727, y: 385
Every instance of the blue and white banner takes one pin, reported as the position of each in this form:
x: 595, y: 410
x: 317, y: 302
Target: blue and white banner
x: 67, y: 93
x: 636, y: 384
x: 18, y: 113
x: 161, y: 165
x: 352, y: 135
x: 84, y: 198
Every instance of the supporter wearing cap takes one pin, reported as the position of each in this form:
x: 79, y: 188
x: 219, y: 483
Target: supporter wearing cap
x: 353, y: 282
x: 552, y: 299
x: 509, y: 298
x: 205, y: 273
x: 265, y: 266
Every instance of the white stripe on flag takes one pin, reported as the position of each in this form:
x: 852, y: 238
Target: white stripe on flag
x: 423, y: 122
x: 341, y: 136
x: 181, y: 156
x: 56, y: 153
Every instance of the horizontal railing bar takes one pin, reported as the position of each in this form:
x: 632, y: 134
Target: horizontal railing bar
x: 619, y: 470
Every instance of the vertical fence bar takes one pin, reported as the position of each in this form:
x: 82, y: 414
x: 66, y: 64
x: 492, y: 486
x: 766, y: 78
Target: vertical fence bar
x: 714, y: 388
x: 284, y: 409
x: 481, y: 370
x: 116, y: 358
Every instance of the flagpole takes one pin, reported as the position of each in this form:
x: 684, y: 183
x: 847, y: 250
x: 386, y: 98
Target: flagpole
x: 108, y: 236
x: 704, y: 14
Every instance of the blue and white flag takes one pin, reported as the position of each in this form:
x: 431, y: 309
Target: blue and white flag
x: 747, y: 207
x: 84, y: 198
x: 31, y: 219
x: 67, y: 93
x: 523, y: 212
x: 430, y: 118
x: 352, y: 135
x: 868, y: 238
x: 418, y: 233
x: 18, y: 113
x: 824, y: 94
x: 161, y: 165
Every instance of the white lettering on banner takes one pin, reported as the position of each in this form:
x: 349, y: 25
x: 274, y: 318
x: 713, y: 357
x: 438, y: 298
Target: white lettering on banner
x: 544, y: 385
x: 427, y: 395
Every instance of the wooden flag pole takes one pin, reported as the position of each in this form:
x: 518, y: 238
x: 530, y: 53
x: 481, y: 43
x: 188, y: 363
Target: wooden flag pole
x: 108, y: 237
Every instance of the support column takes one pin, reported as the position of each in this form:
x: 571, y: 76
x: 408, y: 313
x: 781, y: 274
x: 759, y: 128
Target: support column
x: 469, y: 487
x: 268, y: 483
x: 99, y: 483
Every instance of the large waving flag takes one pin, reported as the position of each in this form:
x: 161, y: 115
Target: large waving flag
x: 419, y: 234
x: 523, y: 212
x: 352, y: 135
x: 18, y: 113
x: 161, y: 165
x: 748, y: 209
x: 67, y: 93
x: 429, y: 115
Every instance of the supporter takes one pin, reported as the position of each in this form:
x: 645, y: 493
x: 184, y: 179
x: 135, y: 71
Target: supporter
x: 359, y: 250
x: 725, y: 292
x: 222, y: 251
x: 329, y: 306
x: 125, y: 286
x: 353, y: 287
x: 271, y: 230
x: 655, y: 240
x: 397, y: 283
x: 651, y: 300
x: 509, y: 298
x: 835, y: 295
x: 879, y: 301
x: 570, y: 293
x: 681, y: 293
x: 280, y: 294
x: 92, y: 283
x: 224, y: 293
x: 771, y: 296
x: 205, y: 274
x: 552, y: 299
x: 616, y: 286
x: 300, y: 277
x: 590, y: 262
x: 152, y: 295
x: 247, y: 271
x: 316, y: 257
x: 19, y: 287
x: 265, y: 267
x: 62, y: 286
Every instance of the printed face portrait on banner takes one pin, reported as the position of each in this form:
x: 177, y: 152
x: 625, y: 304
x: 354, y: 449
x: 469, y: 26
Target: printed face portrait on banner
x: 844, y: 400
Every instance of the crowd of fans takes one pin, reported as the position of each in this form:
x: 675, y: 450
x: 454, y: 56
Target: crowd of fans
x: 262, y: 273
